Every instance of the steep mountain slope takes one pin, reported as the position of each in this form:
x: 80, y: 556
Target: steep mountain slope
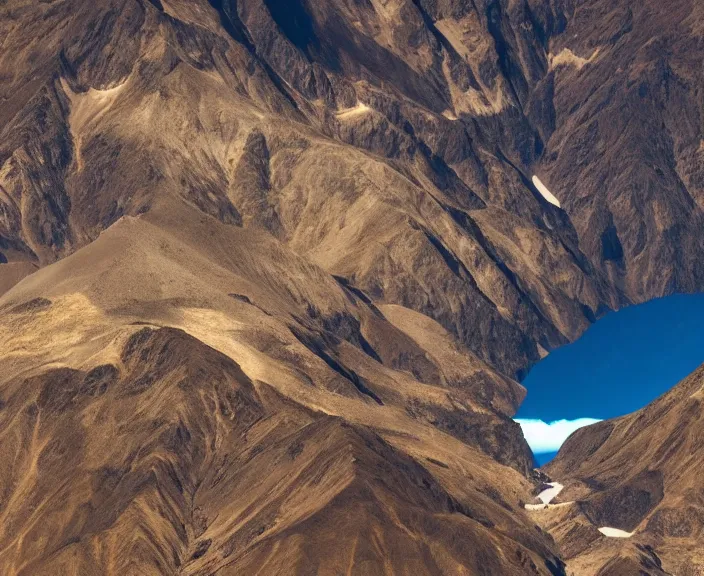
x: 195, y: 102
x: 641, y: 473
x: 627, y: 146
x: 334, y: 203
x: 133, y: 443
x: 152, y: 464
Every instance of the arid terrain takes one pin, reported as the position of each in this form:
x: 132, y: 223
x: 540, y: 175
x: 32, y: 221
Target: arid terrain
x: 641, y: 475
x: 271, y: 274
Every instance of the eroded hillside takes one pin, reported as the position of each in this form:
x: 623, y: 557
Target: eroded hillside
x: 334, y: 202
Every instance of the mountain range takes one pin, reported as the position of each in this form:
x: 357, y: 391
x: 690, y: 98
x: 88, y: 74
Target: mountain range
x: 271, y: 274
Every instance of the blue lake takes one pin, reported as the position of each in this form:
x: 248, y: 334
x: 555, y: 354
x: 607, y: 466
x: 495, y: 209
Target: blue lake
x: 621, y: 363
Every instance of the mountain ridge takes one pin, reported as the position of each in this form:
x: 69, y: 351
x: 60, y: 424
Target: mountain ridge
x: 338, y: 198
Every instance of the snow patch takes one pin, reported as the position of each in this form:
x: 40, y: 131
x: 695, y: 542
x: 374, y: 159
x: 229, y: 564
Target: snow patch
x: 545, y: 192
x: 547, y: 496
x: 615, y: 532
x: 536, y: 506
x: 360, y: 108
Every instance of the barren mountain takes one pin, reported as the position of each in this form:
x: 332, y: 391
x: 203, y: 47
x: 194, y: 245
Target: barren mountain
x: 284, y: 263
x: 133, y: 443
x: 641, y: 474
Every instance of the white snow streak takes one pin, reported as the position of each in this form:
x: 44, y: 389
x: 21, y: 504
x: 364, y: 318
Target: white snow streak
x: 360, y: 108
x: 536, y: 506
x: 615, y: 532
x: 545, y: 192
x: 546, y: 496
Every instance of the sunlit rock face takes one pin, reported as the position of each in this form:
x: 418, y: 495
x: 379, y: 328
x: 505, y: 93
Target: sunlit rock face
x: 332, y: 203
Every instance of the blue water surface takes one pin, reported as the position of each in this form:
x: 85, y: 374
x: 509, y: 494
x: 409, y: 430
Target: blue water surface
x: 621, y: 363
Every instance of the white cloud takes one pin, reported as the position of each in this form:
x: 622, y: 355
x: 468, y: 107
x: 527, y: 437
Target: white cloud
x: 543, y: 437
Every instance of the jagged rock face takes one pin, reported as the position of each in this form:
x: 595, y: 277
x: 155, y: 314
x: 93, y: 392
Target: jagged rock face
x: 337, y: 197
x: 327, y: 446
x: 627, y: 146
x: 153, y: 464
x: 641, y: 473
x: 287, y: 116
